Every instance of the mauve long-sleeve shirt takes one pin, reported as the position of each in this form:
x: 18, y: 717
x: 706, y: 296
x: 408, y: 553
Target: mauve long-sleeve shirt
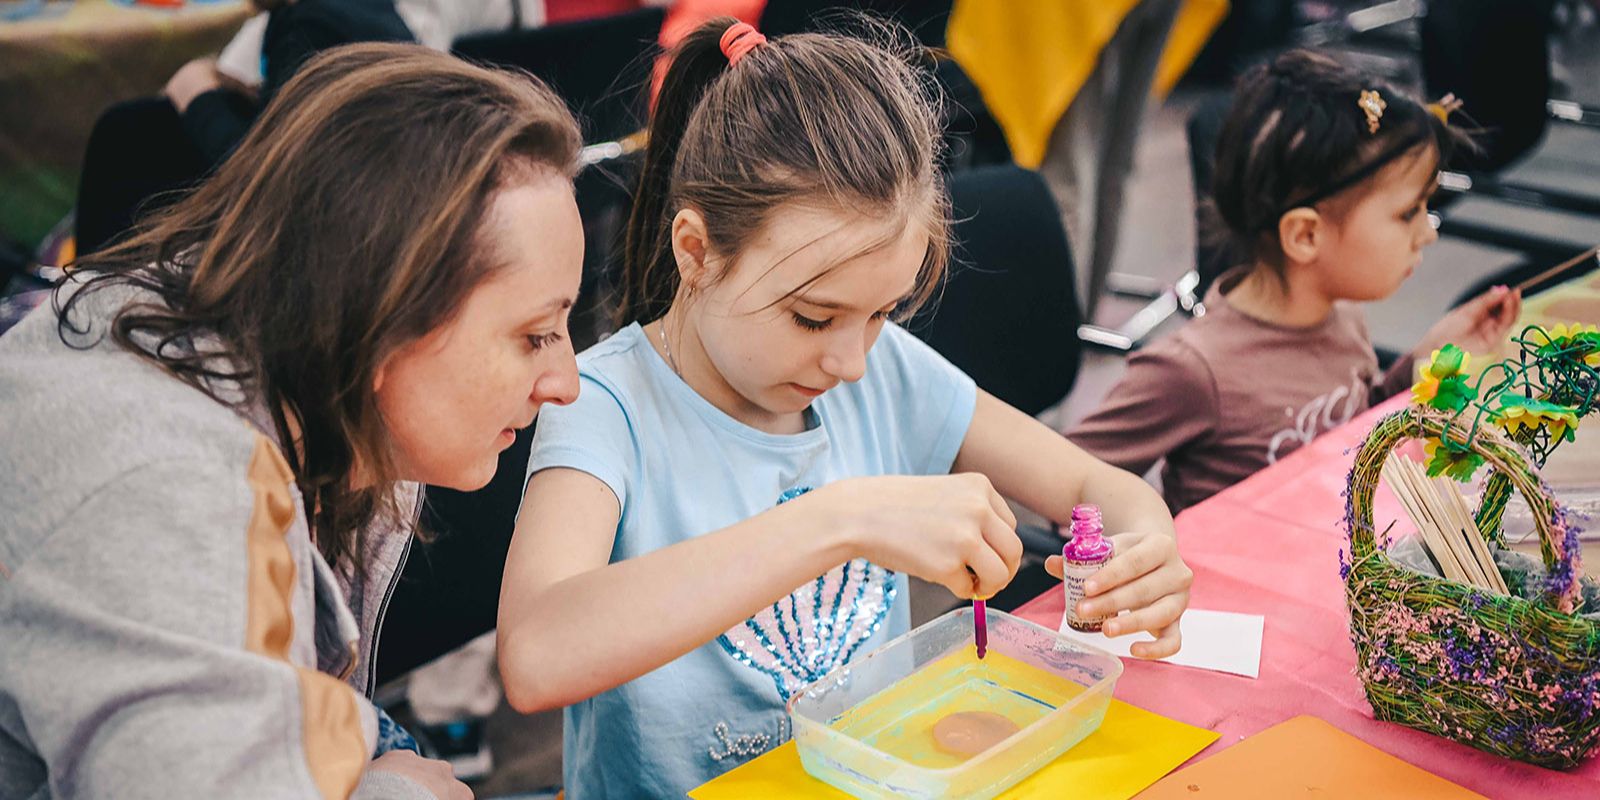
x: 1228, y: 394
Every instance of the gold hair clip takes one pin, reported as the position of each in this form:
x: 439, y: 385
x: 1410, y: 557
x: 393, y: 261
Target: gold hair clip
x: 1444, y: 107
x: 1371, y: 104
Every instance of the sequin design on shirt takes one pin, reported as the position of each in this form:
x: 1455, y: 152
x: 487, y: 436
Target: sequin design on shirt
x: 816, y: 628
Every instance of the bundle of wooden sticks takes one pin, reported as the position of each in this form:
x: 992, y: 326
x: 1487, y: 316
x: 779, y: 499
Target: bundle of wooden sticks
x: 1445, y: 523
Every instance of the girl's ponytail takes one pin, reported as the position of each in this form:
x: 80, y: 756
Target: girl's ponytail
x: 650, y: 275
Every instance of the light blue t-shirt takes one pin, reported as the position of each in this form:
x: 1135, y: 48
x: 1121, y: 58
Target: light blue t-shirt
x: 680, y: 467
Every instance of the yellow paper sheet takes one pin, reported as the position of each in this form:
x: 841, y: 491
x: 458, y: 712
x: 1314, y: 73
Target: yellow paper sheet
x: 1132, y: 750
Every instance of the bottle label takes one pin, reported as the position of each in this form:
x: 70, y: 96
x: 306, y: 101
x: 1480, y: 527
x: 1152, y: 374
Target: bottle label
x: 1076, y: 573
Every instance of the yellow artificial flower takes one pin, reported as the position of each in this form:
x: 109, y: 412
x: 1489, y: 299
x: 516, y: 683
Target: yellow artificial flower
x: 1585, y: 337
x: 1517, y: 412
x: 1425, y: 388
x: 1446, y: 367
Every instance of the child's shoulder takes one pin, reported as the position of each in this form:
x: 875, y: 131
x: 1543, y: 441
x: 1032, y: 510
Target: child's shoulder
x: 619, y: 349
x: 1200, y: 340
x: 1228, y: 347
x: 620, y: 361
x: 613, y: 373
x: 899, y: 361
x: 898, y: 346
x: 1184, y: 360
x: 1226, y: 332
x: 1220, y: 348
x: 903, y: 372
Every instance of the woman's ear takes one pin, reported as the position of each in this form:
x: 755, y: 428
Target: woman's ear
x: 1302, y: 233
x: 689, y: 247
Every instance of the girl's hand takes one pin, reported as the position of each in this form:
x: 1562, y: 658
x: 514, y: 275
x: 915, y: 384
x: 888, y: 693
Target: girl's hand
x: 1480, y: 325
x: 1147, y: 578
x: 192, y: 80
x: 954, y: 530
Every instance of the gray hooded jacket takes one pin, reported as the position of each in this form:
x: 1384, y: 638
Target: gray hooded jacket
x: 167, y: 628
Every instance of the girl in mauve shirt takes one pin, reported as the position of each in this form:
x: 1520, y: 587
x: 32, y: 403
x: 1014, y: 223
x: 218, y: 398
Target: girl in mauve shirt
x: 1323, y: 176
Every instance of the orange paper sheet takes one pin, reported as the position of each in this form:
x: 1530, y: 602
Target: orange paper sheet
x: 1132, y: 749
x: 1304, y: 757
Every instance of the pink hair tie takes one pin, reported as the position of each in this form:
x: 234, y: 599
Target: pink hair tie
x: 738, y: 39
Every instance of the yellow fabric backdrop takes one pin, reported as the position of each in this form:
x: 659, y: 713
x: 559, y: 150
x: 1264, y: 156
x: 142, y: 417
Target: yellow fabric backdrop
x: 1030, y: 57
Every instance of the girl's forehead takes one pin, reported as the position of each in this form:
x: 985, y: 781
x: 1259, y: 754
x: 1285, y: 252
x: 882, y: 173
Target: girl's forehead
x: 1416, y: 169
x: 802, y: 248
x: 1409, y: 178
x: 809, y: 232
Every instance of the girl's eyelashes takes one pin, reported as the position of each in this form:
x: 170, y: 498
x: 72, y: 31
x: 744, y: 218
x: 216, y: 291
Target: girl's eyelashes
x: 822, y: 324
x: 809, y: 323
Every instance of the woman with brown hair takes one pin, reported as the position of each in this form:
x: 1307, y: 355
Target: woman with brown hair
x: 213, y: 438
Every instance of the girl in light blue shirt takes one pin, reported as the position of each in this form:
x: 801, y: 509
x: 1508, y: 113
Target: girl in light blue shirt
x: 759, y: 458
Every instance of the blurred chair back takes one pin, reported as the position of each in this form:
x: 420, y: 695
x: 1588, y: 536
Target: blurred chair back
x: 1009, y: 314
x: 600, y: 66
x: 1495, y: 56
x: 1203, y: 129
x: 972, y: 136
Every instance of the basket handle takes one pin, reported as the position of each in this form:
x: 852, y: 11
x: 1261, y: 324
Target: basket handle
x: 1561, y: 557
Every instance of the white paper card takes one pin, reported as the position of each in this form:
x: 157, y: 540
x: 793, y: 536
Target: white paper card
x: 1221, y: 641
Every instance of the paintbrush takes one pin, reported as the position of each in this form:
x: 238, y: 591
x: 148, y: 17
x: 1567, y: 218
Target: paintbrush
x: 1559, y: 268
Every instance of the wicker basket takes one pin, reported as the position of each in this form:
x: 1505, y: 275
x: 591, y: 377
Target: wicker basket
x: 1513, y: 677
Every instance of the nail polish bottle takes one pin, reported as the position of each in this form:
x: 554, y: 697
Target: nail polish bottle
x: 1082, y: 557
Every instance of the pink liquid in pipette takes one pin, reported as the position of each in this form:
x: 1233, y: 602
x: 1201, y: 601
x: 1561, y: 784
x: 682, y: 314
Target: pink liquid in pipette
x: 980, y: 625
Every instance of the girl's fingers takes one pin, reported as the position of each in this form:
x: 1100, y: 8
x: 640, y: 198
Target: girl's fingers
x: 1491, y: 299
x: 990, y: 574
x: 1500, y: 310
x: 1002, y: 509
x: 1053, y: 565
x: 1167, y: 642
x: 1135, y: 555
x: 1507, y: 308
x: 1163, y: 613
x: 1002, y: 539
x: 1512, y: 309
x: 1135, y: 594
x: 960, y: 582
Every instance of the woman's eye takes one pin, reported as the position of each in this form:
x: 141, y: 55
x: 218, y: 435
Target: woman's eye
x: 811, y: 324
x: 539, y: 341
x: 881, y: 315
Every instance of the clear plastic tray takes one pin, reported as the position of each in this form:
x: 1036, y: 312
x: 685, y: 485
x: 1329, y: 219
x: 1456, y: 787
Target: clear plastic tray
x: 866, y: 727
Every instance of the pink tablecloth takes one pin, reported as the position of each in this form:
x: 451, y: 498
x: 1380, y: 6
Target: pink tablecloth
x: 1270, y: 546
